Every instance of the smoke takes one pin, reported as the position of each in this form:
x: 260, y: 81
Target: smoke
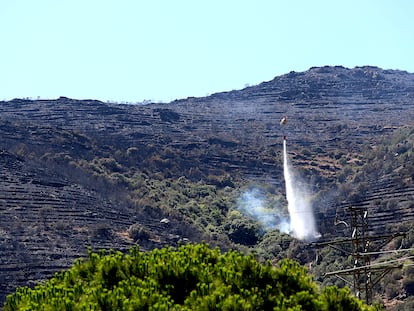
x: 297, y: 221
x: 255, y: 203
x: 302, y: 221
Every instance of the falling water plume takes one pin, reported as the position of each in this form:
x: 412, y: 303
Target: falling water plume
x: 302, y: 222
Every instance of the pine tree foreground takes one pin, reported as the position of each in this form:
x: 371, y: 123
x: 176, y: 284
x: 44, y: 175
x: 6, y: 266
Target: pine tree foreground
x: 192, y: 277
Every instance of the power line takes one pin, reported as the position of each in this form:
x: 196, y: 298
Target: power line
x: 377, y: 264
x: 391, y: 261
x: 390, y: 251
x: 365, y: 275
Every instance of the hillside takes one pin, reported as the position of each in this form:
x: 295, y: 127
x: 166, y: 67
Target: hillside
x: 78, y: 173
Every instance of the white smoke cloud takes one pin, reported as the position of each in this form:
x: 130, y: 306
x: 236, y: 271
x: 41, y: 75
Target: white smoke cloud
x: 254, y: 202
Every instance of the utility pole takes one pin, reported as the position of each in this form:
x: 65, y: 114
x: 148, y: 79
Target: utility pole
x: 363, y: 247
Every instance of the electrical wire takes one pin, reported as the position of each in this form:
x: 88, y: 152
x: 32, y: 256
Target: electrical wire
x: 390, y: 261
x: 377, y: 264
x: 389, y: 251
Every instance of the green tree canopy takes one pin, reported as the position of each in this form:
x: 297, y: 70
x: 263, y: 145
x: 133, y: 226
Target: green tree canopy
x: 192, y: 277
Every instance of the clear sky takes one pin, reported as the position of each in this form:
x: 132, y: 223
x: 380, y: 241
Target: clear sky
x: 161, y: 50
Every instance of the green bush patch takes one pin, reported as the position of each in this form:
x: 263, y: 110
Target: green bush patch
x: 192, y: 277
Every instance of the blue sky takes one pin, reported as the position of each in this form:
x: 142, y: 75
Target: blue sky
x: 161, y: 50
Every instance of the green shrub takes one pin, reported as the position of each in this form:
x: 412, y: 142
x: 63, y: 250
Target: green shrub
x: 192, y: 277
x: 138, y: 232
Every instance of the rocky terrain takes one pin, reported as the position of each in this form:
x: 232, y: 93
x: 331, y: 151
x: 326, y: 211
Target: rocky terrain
x: 53, y: 205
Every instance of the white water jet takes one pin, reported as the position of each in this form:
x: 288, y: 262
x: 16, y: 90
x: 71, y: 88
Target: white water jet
x: 302, y: 221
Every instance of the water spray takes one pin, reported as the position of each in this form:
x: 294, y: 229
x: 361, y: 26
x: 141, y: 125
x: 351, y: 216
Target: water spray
x: 302, y: 221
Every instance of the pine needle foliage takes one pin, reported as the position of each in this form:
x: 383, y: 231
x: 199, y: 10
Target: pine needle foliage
x: 191, y: 277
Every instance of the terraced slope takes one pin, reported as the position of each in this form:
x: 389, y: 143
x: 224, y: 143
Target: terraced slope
x: 47, y: 221
x: 50, y: 211
x: 330, y: 108
x: 389, y: 203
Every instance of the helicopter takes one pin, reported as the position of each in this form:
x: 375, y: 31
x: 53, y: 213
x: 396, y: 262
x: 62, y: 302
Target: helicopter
x: 283, y: 121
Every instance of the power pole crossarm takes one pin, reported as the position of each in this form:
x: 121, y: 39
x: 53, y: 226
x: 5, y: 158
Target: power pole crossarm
x: 363, y: 247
